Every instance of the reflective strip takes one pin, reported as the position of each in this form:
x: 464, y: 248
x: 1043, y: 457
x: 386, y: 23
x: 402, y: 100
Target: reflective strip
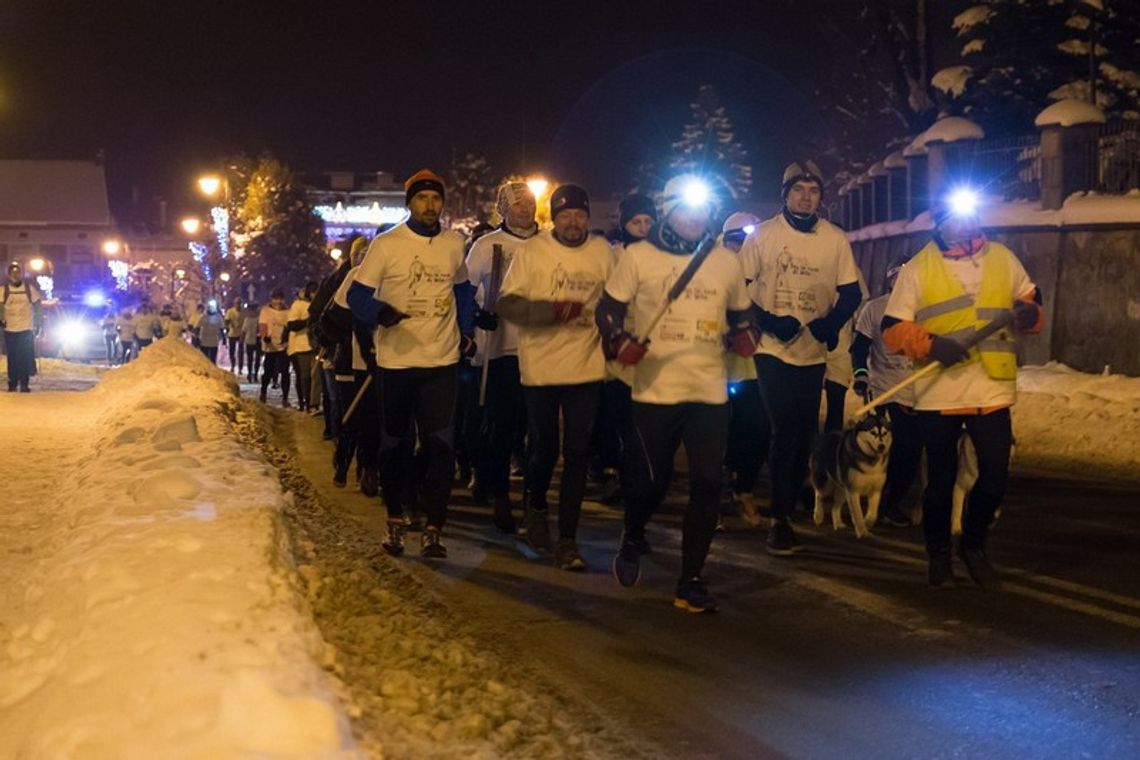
x: 990, y: 313
x: 945, y: 307
x: 961, y: 336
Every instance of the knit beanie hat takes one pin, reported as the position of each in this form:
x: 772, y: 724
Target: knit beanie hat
x: 635, y: 204
x: 800, y: 171
x: 569, y: 196
x: 424, y: 179
x: 511, y: 193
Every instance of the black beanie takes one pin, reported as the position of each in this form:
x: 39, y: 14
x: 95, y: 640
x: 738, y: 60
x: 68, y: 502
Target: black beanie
x: 632, y: 205
x: 568, y: 196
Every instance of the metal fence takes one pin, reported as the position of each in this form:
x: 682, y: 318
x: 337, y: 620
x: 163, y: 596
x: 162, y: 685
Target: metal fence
x: 1118, y: 157
x: 1009, y: 167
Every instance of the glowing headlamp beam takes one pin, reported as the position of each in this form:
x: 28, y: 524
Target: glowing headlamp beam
x: 695, y: 193
x: 964, y: 202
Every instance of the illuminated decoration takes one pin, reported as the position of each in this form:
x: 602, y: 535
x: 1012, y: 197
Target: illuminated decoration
x: 224, y: 277
x: 336, y: 253
x: 36, y: 265
x: 199, y: 251
x: 47, y: 285
x: 221, y: 219
x: 94, y: 298
x: 374, y: 215
x: 121, y: 271
x: 191, y: 225
x: 964, y: 202
x: 112, y: 247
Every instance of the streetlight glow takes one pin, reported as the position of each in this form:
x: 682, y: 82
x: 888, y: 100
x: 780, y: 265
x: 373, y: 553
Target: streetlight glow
x: 209, y: 184
x: 36, y: 265
x: 537, y: 186
x: 336, y: 253
x: 180, y: 273
x: 224, y: 277
x: 191, y: 225
x: 112, y: 247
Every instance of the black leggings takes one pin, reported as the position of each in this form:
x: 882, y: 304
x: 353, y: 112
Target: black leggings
x: 360, y: 436
x: 791, y: 397
x: 578, y: 404
x: 303, y: 367
x: 906, y: 455
x: 276, y: 364
x: 502, y: 415
x: 749, y: 435
x: 657, y: 431
x: 992, y: 435
x: 235, y: 354
x: 252, y: 360
x: 425, y: 396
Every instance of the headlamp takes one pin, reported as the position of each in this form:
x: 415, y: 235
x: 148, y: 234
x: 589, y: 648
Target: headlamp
x: 963, y: 202
x: 695, y: 193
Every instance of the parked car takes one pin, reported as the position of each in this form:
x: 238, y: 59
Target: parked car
x: 72, y: 331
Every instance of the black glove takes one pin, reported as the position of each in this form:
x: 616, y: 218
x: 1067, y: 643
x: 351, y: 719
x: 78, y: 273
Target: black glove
x: 785, y: 328
x: 389, y: 316
x: 486, y: 320
x: 947, y: 351
x: 467, y: 346
x: 860, y: 385
x: 822, y: 330
x: 1024, y: 315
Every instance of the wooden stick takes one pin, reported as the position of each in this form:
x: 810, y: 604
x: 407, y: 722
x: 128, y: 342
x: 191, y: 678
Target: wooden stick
x: 489, y: 299
x: 356, y: 401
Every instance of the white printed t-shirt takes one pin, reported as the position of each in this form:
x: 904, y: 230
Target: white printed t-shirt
x: 416, y: 274
x: 545, y: 270
x: 885, y: 370
x: 961, y: 386
x: 685, y: 361
x: 299, y: 339
x: 796, y: 273
x: 480, y: 262
x: 340, y: 298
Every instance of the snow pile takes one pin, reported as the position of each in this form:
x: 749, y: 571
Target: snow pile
x: 952, y: 80
x: 1068, y: 113
x: 148, y: 606
x: 1077, y: 424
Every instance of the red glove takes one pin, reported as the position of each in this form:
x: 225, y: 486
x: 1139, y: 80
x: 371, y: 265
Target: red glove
x: 743, y: 342
x: 564, y: 311
x: 630, y: 350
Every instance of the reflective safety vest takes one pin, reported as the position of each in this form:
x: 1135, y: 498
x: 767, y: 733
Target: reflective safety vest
x: 945, y: 309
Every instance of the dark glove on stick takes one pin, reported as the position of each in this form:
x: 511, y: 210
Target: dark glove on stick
x: 486, y: 320
x: 389, y: 316
x: 947, y: 351
x: 860, y: 385
x: 785, y: 328
x: 467, y: 346
x: 1025, y: 315
x: 822, y: 330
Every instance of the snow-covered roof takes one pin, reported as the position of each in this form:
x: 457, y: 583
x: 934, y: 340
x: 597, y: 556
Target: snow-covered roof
x: 952, y: 129
x: 877, y: 170
x: 952, y: 79
x: 1068, y: 113
x: 895, y: 161
x: 53, y: 192
x: 971, y: 17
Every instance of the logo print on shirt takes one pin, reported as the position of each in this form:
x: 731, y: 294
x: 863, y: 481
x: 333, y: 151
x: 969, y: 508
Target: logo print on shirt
x: 559, y: 279
x: 415, y: 274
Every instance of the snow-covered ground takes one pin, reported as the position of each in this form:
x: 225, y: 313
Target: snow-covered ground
x: 153, y: 603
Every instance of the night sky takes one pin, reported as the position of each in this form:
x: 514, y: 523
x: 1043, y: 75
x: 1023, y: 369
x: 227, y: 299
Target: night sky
x: 583, y: 90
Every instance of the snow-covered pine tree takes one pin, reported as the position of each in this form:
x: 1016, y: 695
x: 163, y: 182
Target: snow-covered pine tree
x: 1104, y: 36
x: 471, y: 196
x: 708, y: 145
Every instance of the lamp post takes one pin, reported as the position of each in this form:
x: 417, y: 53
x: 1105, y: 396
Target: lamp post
x: 216, y: 188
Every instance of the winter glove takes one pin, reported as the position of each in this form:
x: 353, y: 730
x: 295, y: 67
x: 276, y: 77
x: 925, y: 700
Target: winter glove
x: 486, y: 320
x: 947, y: 351
x: 390, y: 316
x: 822, y: 330
x: 860, y: 385
x: 785, y: 328
x: 743, y: 342
x: 627, y: 349
x: 1025, y: 315
x: 564, y: 311
x: 467, y: 346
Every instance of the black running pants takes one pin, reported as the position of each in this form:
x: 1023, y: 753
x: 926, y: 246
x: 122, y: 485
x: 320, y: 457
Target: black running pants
x: 425, y: 396
x: 578, y: 405
x: 657, y: 431
x: 276, y: 365
x: 749, y: 435
x: 906, y: 455
x: 992, y: 435
x: 791, y: 397
x: 502, y: 415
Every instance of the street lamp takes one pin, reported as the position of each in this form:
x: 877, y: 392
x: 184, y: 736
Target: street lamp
x: 36, y: 265
x: 191, y: 225
x: 210, y: 184
x: 112, y: 247
x: 537, y: 186
x: 336, y: 253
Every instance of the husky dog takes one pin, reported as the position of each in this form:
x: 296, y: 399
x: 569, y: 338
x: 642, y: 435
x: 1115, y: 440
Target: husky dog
x: 849, y: 465
x: 967, y: 477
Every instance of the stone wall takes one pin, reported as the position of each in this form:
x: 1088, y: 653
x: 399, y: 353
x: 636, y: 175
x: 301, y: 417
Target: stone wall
x: 1089, y: 278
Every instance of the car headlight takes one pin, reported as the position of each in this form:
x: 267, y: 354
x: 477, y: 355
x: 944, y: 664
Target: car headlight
x: 71, y: 333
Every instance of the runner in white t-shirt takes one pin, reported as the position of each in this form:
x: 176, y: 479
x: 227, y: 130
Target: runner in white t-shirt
x: 680, y: 380
x: 952, y: 286
x: 550, y: 292
x: 503, y: 415
x: 804, y: 284
x: 406, y: 287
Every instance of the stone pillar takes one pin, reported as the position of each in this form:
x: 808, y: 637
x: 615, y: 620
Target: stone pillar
x: 1068, y: 162
x: 896, y: 194
x: 917, y: 197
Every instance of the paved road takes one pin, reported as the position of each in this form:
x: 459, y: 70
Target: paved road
x: 842, y: 651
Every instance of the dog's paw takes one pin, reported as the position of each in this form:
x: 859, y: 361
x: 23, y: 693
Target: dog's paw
x: 817, y: 517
